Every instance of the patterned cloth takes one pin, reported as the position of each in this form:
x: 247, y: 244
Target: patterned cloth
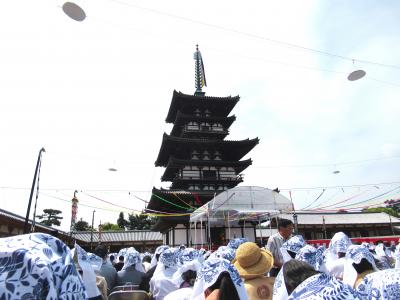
x: 188, y: 259
x: 161, y: 284
x: 187, y: 255
x: 224, y: 252
x: 323, y: 287
x: 279, y: 291
x: 382, y: 260
x: 38, y: 266
x: 308, y: 254
x: 95, y: 261
x: 85, y: 263
x: 131, y: 258
x: 159, y: 250
x: 209, y: 273
x: 313, y: 256
x: 383, y: 285
x: 340, y: 242
x: 294, y: 244
x: 354, y: 255
x: 335, y: 265
x: 396, y: 256
x: 235, y: 243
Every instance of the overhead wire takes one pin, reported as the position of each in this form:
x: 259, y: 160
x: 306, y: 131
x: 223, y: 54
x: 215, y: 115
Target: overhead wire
x: 255, y: 36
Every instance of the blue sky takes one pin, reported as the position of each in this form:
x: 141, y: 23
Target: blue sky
x: 95, y: 94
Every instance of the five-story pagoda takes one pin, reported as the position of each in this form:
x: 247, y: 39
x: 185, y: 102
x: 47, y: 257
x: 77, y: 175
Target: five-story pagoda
x: 198, y: 160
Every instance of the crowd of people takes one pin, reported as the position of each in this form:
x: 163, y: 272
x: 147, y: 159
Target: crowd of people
x: 40, y: 266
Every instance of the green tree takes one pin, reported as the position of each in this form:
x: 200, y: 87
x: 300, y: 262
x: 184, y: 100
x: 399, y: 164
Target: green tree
x: 82, y: 226
x: 110, y: 227
x: 51, y: 217
x: 388, y: 210
x: 122, y: 223
x: 141, y: 222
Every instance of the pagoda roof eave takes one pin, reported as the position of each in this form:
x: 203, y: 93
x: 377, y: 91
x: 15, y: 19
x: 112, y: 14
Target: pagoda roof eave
x: 170, y: 141
x: 227, y: 103
x: 178, y: 197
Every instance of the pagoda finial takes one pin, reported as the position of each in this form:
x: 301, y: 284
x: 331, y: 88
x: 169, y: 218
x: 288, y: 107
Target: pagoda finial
x: 200, y: 76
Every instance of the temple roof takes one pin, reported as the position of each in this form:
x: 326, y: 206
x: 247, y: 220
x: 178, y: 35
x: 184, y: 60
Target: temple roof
x: 183, y: 201
x: 220, y: 106
x: 174, y: 164
x: 231, y: 150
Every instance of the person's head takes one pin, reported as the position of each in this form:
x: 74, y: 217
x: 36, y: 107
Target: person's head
x: 224, y: 284
x: 146, y: 258
x: 295, y: 272
x: 363, y: 266
x: 189, y: 277
x: 101, y: 251
x: 285, y: 227
x: 121, y: 258
x: 292, y: 246
x: 251, y: 261
x: 212, y: 283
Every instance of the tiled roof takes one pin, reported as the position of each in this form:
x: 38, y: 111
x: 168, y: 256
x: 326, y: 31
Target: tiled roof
x: 19, y: 218
x: 119, y: 236
x: 231, y: 149
x: 221, y: 105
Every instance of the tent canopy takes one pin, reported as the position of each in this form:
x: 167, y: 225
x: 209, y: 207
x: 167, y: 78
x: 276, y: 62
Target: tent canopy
x: 243, y: 203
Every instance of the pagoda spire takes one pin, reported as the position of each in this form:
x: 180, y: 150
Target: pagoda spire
x: 200, y: 76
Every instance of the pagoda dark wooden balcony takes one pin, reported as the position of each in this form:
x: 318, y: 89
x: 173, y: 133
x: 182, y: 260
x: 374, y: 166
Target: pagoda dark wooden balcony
x: 204, y: 131
x: 183, y: 182
x: 175, y: 165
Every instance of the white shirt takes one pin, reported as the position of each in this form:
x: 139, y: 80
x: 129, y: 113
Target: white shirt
x: 274, y: 245
x: 146, y: 266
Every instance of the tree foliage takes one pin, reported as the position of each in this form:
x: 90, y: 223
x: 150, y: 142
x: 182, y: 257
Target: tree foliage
x: 110, y: 227
x: 82, y: 225
x: 140, y: 222
x: 121, y: 222
x: 388, y: 210
x: 51, y: 217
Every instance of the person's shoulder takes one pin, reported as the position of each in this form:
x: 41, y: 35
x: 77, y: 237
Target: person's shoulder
x: 260, y: 287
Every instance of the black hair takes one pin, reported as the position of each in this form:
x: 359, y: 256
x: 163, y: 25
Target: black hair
x: 146, y: 258
x: 227, y: 290
x: 363, y: 266
x: 291, y: 253
x: 284, y: 223
x: 101, y: 251
x: 189, y: 277
x: 295, y: 272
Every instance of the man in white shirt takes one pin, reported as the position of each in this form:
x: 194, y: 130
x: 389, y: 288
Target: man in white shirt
x: 275, y: 242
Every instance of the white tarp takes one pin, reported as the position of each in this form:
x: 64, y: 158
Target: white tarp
x: 243, y: 203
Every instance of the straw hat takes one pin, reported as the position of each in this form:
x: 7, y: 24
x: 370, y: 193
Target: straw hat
x: 251, y: 261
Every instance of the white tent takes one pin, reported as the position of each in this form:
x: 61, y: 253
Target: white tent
x: 242, y: 203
